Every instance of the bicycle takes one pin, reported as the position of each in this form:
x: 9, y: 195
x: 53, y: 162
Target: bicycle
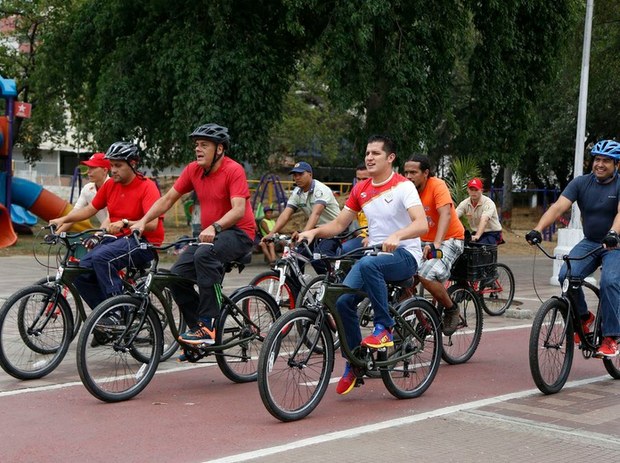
x: 37, y: 323
x: 297, y: 357
x: 551, y: 344
x: 496, y: 287
x: 124, y: 360
x: 286, y: 281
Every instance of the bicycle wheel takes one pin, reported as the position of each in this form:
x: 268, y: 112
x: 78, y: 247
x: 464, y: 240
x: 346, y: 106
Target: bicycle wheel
x: 311, y: 296
x: 462, y: 344
x: 419, y: 355
x: 551, y: 346
x: 292, y: 376
x: 117, y: 363
x: 243, y: 324
x: 71, y: 296
x: 35, y: 332
x: 285, y: 295
x: 497, y: 295
x: 612, y: 365
x: 160, y: 301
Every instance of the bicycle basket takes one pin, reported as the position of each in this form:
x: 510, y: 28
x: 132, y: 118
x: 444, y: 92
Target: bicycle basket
x: 477, y: 262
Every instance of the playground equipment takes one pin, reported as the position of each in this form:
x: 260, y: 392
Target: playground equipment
x: 270, y: 186
x: 20, y: 198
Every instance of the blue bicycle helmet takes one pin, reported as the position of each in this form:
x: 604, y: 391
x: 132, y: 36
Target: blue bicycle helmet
x: 608, y: 148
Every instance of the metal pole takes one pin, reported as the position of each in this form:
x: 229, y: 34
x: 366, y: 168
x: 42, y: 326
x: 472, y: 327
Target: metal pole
x: 575, y: 221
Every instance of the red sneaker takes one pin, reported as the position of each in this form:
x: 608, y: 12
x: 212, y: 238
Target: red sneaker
x: 609, y: 348
x: 380, y: 337
x: 347, y: 382
x: 587, y: 326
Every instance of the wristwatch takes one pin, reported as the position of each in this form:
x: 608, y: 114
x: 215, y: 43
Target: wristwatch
x: 125, y: 223
x: 217, y: 227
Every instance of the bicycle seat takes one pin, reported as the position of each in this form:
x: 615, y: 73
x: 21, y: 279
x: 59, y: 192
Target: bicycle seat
x: 402, y: 283
x: 240, y: 264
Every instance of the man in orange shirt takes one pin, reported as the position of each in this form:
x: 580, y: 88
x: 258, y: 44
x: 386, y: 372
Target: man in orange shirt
x: 443, y: 243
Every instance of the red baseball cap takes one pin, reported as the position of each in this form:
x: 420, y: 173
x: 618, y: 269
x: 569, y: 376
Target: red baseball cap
x: 475, y: 183
x: 97, y: 160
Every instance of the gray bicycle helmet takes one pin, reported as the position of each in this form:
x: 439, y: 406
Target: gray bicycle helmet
x: 609, y: 148
x: 215, y: 133
x: 123, y: 151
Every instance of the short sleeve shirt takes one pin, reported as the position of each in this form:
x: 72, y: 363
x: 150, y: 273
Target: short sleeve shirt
x: 597, y: 202
x: 435, y: 195
x: 485, y: 208
x: 214, y: 192
x: 386, y: 208
x: 131, y: 202
x: 319, y: 193
x: 86, y: 197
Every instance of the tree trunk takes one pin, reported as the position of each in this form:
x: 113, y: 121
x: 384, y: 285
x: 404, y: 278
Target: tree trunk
x: 506, y: 212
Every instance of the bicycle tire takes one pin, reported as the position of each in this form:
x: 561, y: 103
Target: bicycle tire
x: 292, y: 377
x: 34, y: 333
x: 286, y: 296
x: 70, y: 295
x: 411, y: 377
x: 240, y: 362
x: 110, y: 369
x: 612, y: 365
x: 497, y: 298
x: 311, y: 296
x: 551, y: 346
x: 462, y: 344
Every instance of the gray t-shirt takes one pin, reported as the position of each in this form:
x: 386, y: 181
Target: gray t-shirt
x: 318, y: 193
x: 598, y: 203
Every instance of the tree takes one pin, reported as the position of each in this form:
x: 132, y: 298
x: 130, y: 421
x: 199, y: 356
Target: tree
x: 27, y: 21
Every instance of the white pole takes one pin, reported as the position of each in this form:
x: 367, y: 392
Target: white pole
x: 580, y: 139
x: 568, y: 237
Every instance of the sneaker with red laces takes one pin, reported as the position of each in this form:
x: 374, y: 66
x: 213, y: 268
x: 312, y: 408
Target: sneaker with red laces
x: 380, y: 337
x: 347, y: 382
x: 609, y: 348
x: 586, y: 325
x: 201, y: 335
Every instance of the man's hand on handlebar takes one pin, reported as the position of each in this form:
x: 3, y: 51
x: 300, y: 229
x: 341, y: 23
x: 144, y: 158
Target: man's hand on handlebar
x: 307, y: 235
x: 138, y: 226
x: 533, y: 237
x: 611, y: 239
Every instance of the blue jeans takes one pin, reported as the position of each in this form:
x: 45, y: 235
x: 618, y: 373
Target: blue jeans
x: 610, y: 282
x: 370, y: 275
x: 106, y: 259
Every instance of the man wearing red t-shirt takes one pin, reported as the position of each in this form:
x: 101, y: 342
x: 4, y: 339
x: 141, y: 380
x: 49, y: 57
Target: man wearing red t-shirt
x: 227, y: 225
x: 445, y: 233
x: 128, y: 196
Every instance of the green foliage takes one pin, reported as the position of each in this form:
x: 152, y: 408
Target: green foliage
x: 462, y: 170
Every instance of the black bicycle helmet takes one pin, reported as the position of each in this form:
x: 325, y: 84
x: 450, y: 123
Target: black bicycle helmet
x: 609, y: 148
x: 215, y: 133
x: 123, y: 151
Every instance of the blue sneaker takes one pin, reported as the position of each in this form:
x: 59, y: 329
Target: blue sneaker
x: 380, y: 337
x: 201, y: 335
x: 347, y: 382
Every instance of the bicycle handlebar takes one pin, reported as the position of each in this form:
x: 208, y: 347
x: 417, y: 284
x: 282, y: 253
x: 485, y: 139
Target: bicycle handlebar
x: 567, y: 257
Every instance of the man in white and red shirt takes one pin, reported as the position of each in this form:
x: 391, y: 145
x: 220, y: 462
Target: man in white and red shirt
x: 396, y: 219
x: 222, y: 189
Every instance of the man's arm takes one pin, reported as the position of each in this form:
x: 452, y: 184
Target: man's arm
x: 315, y: 215
x: 338, y: 225
x: 555, y: 210
x: 442, y: 224
x: 482, y: 225
x: 417, y: 228
x: 159, y: 208
x: 76, y: 215
x: 283, y: 219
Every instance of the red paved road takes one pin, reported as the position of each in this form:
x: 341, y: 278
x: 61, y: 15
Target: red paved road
x: 197, y: 414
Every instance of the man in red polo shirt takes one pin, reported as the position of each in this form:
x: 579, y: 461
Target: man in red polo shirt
x: 127, y: 197
x: 226, y: 214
